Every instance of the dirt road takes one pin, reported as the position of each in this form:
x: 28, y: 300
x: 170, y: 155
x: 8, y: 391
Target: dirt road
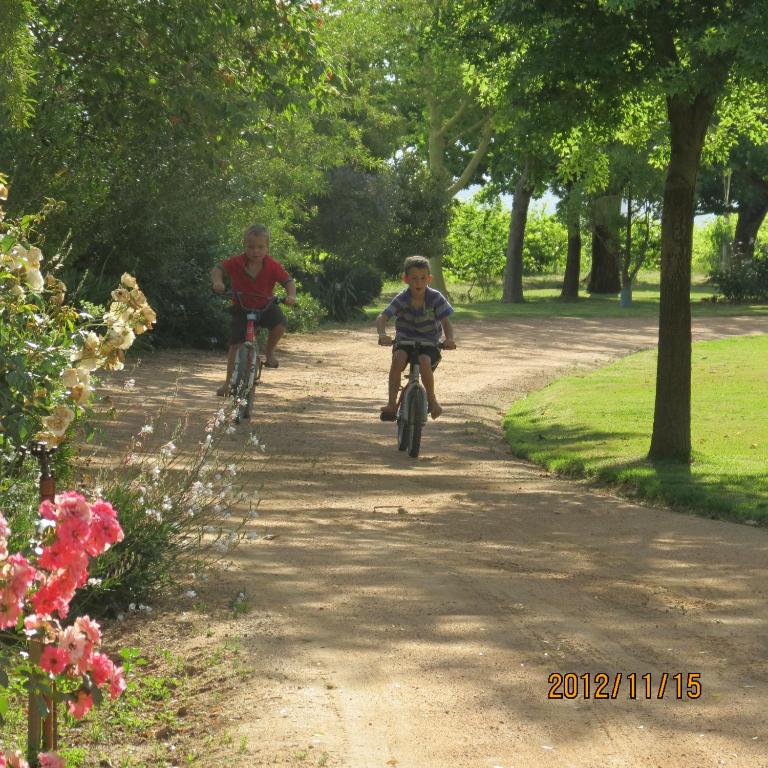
x: 410, y: 613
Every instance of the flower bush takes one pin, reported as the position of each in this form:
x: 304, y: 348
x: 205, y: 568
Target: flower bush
x: 183, y: 508
x: 36, y: 590
x: 49, y: 349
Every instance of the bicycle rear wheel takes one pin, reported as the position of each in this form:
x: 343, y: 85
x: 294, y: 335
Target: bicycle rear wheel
x: 415, y: 423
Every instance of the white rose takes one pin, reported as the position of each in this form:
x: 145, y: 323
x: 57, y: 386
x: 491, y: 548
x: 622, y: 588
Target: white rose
x: 128, y: 281
x: 70, y: 377
x: 59, y: 420
x: 34, y: 256
x: 35, y: 279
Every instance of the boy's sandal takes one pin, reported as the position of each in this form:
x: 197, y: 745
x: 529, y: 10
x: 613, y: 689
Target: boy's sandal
x: 272, y: 363
x: 388, y: 414
x: 222, y: 390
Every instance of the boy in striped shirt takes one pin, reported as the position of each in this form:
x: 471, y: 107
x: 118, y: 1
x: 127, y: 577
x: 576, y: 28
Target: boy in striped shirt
x: 421, y: 314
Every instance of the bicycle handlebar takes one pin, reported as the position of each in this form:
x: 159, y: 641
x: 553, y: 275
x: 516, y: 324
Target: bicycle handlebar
x: 413, y: 343
x: 237, y: 296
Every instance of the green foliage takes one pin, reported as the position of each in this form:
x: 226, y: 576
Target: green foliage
x: 420, y: 218
x: 156, y: 147
x: 305, y: 315
x: 16, y: 61
x: 546, y: 243
x: 477, y: 243
x: 354, y: 216
x: 745, y: 281
x: 342, y: 289
x: 712, y: 243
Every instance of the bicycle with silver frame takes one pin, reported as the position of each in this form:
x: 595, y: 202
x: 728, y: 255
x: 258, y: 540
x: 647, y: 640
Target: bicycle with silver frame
x: 248, y: 363
x: 412, y: 404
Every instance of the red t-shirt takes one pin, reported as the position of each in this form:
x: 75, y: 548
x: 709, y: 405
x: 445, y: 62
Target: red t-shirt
x: 271, y: 273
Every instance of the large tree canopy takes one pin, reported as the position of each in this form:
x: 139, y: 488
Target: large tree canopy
x: 599, y: 53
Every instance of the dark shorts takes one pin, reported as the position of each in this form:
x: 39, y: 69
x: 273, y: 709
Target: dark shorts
x: 432, y: 352
x: 272, y: 317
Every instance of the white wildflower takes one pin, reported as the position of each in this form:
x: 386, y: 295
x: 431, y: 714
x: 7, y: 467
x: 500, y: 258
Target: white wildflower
x: 130, y: 384
x: 191, y: 594
x: 168, y: 450
x: 147, y: 429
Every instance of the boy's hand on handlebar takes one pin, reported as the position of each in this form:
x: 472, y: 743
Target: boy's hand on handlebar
x: 219, y: 287
x: 290, y: 301
x: 385, y: 341
x: 449, y: 344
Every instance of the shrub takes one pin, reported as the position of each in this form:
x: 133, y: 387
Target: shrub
x: 546, y: 243
x: 711, y: 240
x: 37, y: 585
x: 305, y: 315
x: 745, y: 282
x: 48, y: 349
x: 342, y: 289
x: 177, y: 511
x: 477, y: 242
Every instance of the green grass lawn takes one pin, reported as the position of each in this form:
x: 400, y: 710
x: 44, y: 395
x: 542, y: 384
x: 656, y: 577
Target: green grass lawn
x: 542, y: 295
x: 598, y: 426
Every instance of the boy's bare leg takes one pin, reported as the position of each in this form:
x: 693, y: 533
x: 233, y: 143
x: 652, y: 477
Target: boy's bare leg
x: 399, y: 361
x: 224, y: 388
x: 428, y: 379
x: 275, y: 334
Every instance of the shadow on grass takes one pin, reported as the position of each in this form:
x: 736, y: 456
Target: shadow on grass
x: 734, y: 496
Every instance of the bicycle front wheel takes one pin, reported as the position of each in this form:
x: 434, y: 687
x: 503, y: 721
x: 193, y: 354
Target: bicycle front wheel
x: 416, y: 412
x: 403, y: 432
x: 242, y: 383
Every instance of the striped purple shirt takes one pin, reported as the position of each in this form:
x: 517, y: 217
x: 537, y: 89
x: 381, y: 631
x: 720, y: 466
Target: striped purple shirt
x: 418, y: 324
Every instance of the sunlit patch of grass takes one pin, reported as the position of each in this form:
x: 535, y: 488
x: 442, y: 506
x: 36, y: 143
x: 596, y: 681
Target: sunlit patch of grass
x: 599, y: 426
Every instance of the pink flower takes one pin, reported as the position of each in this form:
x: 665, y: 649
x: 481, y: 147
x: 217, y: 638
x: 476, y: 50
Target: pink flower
x: 72, y: 504
x: 55, y: 594
x: 54, y: 659
x: 15, y: 760
x: 105, y: 530
x: 89, y: 628
x: 51, y: 760
x: 80, y: 707
x: 57, y: 556
x: 47, y: 511
x: 117, y: 684
x: 73, y: 533
x: 20, y: 573
x: 10, y: 610
x: 102, y: 669
x: 74, y: 643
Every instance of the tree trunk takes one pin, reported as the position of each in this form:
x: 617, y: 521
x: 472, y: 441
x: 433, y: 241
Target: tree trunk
x: 751, y: 215
x: 604, y: 277
x: 570, y: 290
x: 671, y: 439
x: 513, y: 270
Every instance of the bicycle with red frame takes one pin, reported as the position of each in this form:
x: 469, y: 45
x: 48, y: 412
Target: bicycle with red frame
x: 249, y: 362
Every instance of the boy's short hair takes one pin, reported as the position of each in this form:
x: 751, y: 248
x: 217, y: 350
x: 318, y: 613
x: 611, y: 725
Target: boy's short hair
x: 416, y: 262
x: 255, y: 230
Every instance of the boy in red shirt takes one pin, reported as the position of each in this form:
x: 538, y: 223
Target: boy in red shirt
x: 254, y: 272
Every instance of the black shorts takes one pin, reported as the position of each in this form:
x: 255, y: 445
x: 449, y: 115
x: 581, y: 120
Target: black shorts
x: 271, y: 318
x: 433, y: 352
